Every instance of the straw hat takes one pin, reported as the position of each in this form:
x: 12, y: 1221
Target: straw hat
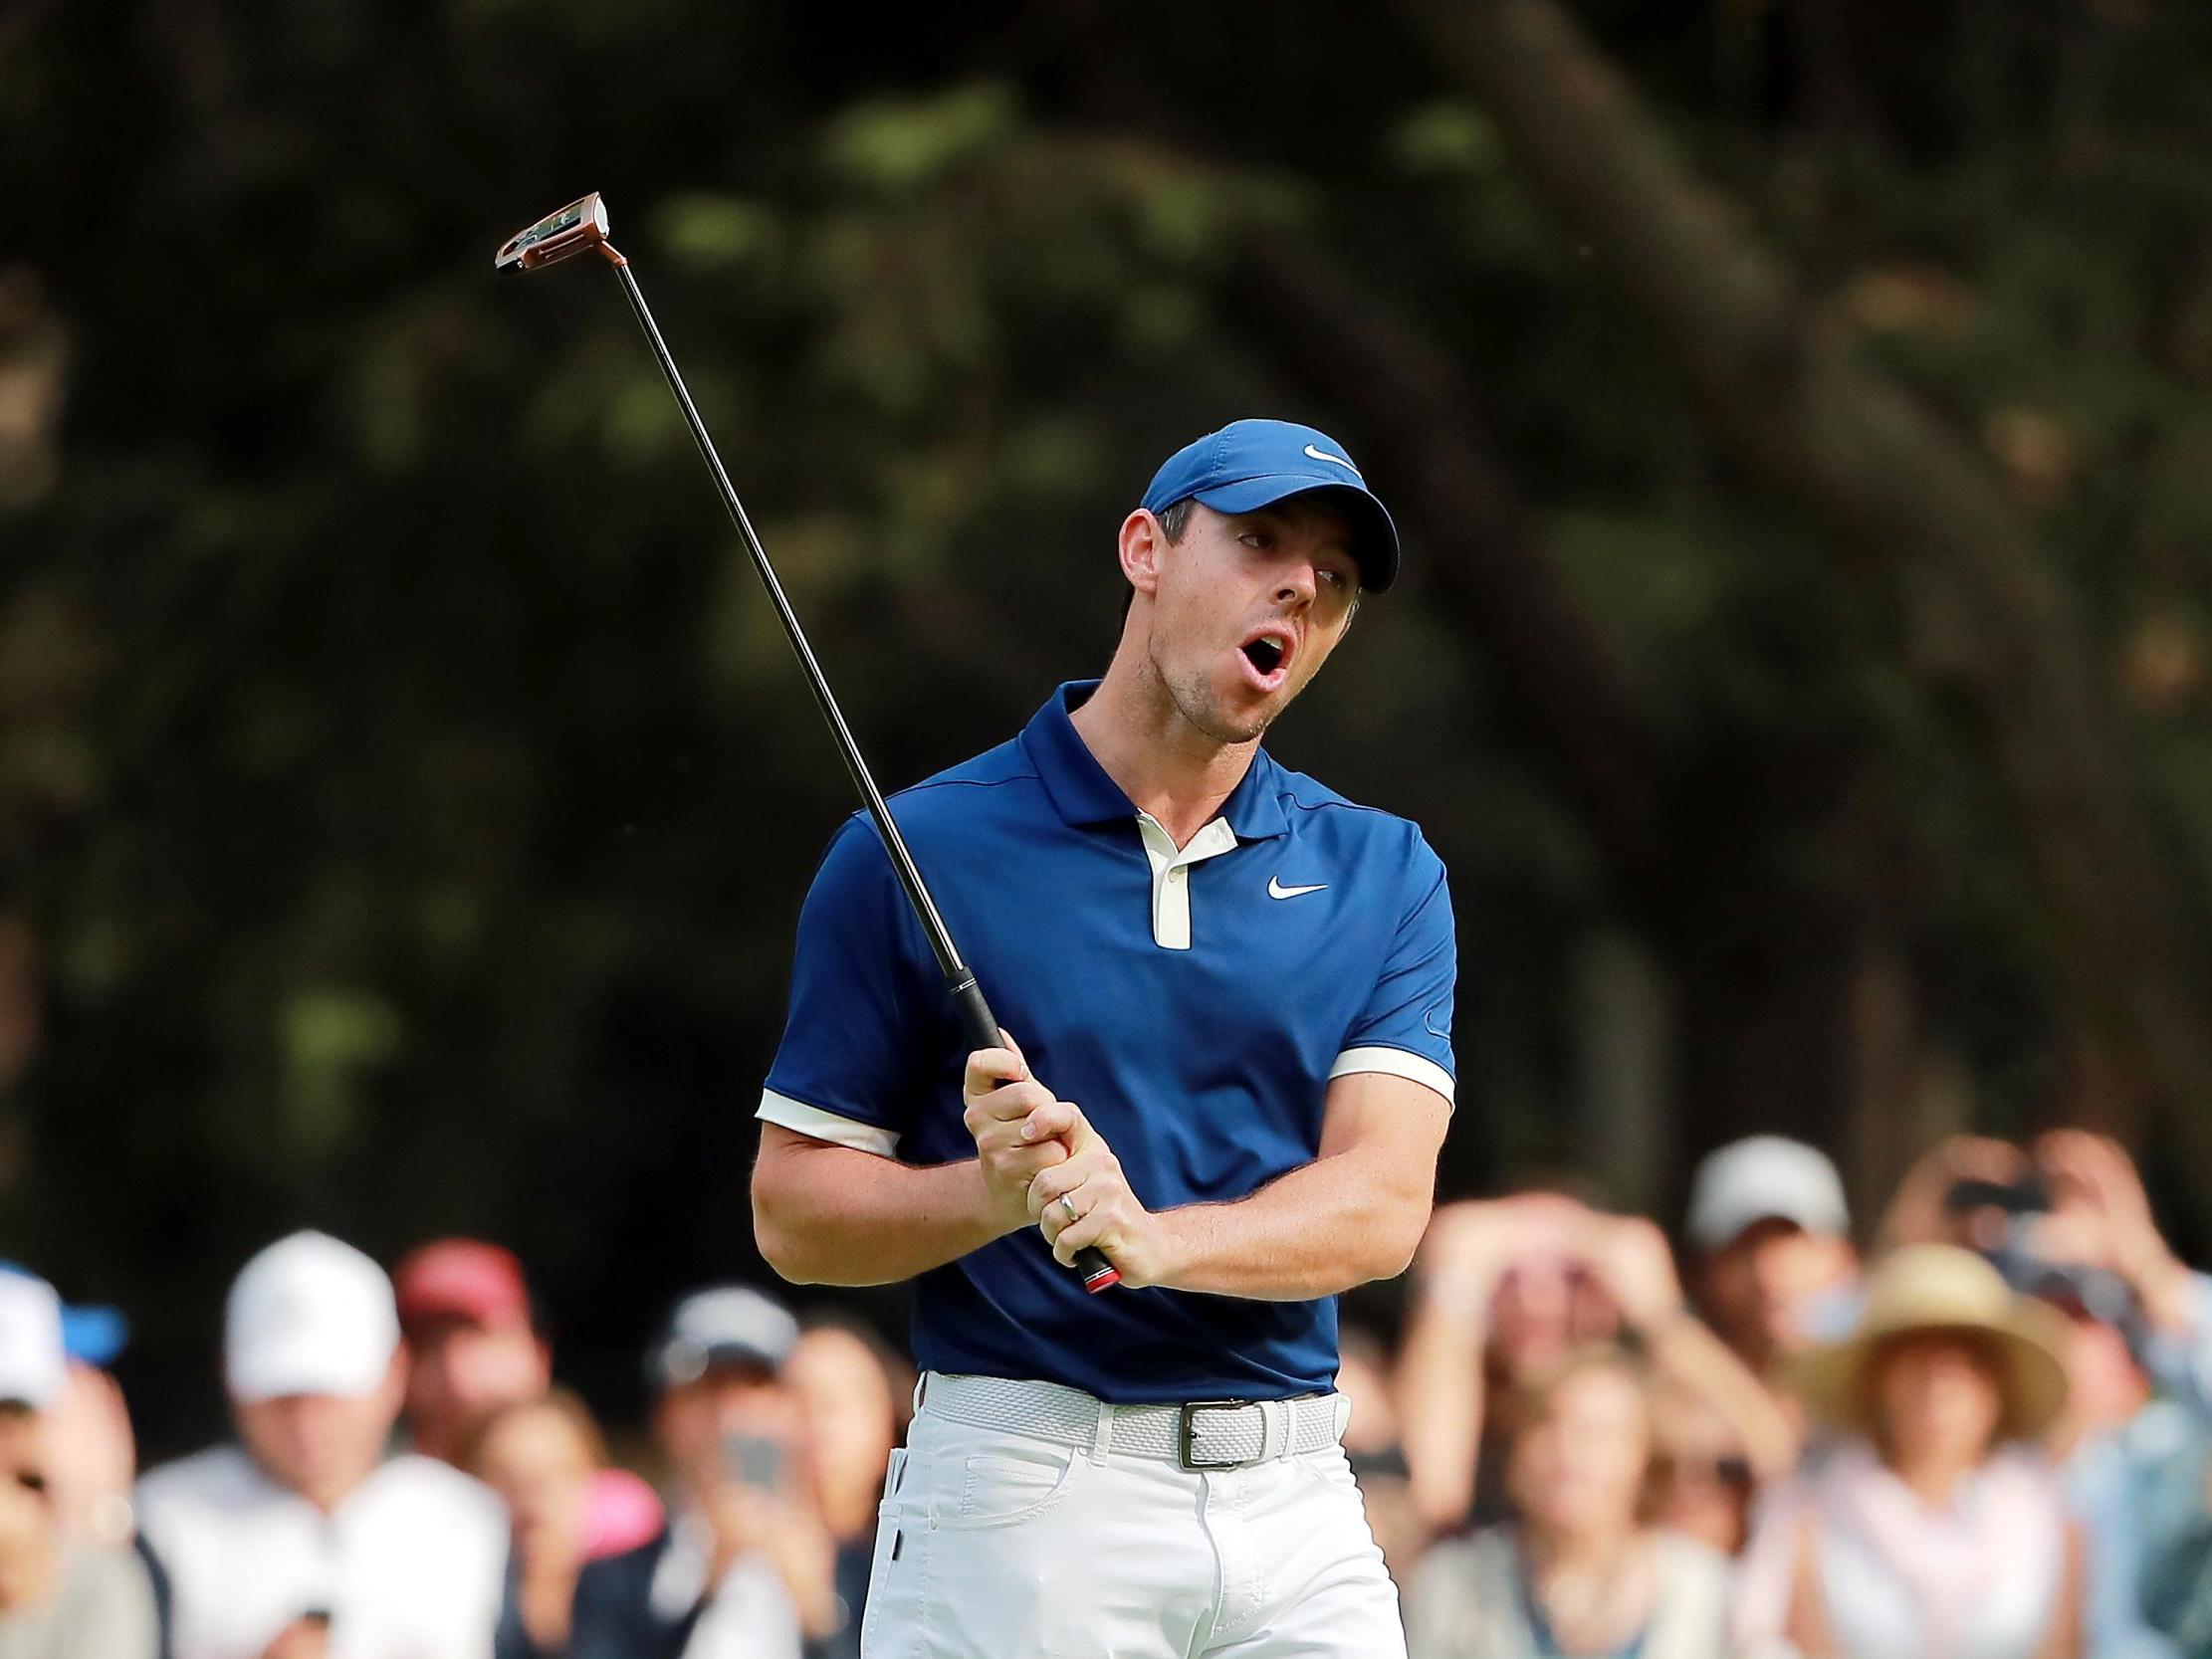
x: 1931, y: 1288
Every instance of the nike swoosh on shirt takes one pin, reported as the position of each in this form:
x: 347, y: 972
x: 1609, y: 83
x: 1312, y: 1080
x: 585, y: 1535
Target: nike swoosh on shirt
x: 1324, y: 455
x: 1275, y: 889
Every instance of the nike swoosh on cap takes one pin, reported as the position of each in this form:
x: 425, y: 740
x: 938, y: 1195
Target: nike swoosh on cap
x: 1324, y: 455
x: 1275, y: 889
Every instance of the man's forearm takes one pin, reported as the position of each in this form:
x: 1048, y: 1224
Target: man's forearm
x: 832, y: 1215
x: 1317, y: 1231
x: 1684, y: 1349
x: 1442, y: 1400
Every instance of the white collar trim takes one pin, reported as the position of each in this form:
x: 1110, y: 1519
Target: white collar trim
x: 1171, y: 874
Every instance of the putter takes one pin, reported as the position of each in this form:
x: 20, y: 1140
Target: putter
x: 581, y: 228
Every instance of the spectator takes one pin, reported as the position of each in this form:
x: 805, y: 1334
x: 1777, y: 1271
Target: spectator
x: 1503, y: 1290
x: 2176, y: 1583
x: 1374, y: 1453
x: 472, y: 1338
x: 743, y: 1569
x: 62, y: 1597
x: 2138, y: 1363
x: 1705, y: 1483
x: 1932, y: 1530
x: 476, y: 1346
x: 90, y: 1456
x: 540, y: 1456
x: 305, y: 1535
x: 2069, y: 1223
x: 849, y: 1409
x: 1579, y: 1569
x: 1770, y: 1241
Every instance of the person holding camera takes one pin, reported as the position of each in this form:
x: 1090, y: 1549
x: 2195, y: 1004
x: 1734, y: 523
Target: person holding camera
x: 744, y: 1568
x: 2067, y: 1221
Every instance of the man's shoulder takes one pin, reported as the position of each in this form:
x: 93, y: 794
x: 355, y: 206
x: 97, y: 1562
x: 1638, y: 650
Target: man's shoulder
x: 411, y: 1487
x: 1001, y: 774
x: 951, y: 803
x: 222, y: 1478
x: 1311, y: 807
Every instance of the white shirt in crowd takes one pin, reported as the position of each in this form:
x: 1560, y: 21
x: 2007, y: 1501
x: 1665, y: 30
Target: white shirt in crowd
x: 1977, y: 1579
x: 750, y: 1616
x: 412, y: 1565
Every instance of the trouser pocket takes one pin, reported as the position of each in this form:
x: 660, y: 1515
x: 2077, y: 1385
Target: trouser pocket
x: 887, y: 1626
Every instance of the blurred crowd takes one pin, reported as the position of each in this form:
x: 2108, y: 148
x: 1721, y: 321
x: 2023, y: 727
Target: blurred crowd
x: 408, y: 1481
x: 1987, y: 1441
x: 1989, y: 1438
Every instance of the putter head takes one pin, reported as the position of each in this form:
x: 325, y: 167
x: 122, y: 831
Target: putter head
x: 576, y: 229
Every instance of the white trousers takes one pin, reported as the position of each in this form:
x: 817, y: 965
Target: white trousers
x: 994, y: 1545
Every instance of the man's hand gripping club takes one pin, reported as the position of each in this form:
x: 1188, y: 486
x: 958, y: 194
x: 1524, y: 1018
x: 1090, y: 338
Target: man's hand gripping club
x: 1042, y: 1161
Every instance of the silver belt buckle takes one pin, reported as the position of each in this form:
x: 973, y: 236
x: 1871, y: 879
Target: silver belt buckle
x: 1186, y: 1433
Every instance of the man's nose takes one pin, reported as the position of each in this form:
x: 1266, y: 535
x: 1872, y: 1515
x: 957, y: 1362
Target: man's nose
x: 1298, y: 586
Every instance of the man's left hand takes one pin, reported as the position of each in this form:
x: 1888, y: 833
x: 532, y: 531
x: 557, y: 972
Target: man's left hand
x: 1107, y: 1214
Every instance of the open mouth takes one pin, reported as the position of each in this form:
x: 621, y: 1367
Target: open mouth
x: 1267, y: 654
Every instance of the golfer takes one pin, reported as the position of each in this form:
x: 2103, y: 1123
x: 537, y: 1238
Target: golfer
x: 1227, y: 992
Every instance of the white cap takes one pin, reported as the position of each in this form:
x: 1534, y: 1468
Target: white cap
x: 34, y: 1367
x: 1764, y: 1177
x: 731, y: 1324
x: 309, y: 1316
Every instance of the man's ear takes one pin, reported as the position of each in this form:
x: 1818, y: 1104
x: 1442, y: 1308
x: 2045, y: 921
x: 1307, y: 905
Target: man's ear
x: 1142, y: 539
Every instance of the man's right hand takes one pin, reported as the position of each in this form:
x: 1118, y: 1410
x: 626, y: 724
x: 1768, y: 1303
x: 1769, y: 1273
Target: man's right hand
x: 998, y: 1095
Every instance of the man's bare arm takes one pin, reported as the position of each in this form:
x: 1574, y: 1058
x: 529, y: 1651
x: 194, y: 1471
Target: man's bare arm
x: 825, y: 1214
x: 1352, y: 1214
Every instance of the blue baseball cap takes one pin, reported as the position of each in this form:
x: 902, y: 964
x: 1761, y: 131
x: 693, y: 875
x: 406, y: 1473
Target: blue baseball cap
x: 1248, y: 465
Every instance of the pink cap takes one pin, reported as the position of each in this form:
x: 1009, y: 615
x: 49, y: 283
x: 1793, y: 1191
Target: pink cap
x: 462, y: 1279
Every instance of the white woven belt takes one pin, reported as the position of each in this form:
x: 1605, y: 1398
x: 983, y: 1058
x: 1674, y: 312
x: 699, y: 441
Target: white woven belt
x: 1199, y: 1434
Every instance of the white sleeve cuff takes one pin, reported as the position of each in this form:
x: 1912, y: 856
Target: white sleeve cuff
x: 1392, y: 1062
x: 817, y: 1124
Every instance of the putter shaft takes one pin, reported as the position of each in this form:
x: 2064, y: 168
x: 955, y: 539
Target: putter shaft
x: 978, y: 1026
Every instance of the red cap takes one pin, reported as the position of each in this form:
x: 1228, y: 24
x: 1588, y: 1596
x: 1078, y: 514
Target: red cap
x: 461, y: 1279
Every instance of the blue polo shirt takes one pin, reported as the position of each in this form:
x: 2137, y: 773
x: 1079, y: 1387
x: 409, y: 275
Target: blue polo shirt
x: 1195, y: 1002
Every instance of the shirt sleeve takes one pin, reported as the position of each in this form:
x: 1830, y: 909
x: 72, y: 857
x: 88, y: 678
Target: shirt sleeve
x: 2180, y: 1361
x: 844, y: 1070
x: 1405, y: 1028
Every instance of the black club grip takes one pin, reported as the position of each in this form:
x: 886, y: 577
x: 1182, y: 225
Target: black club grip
x: 980, y: 1030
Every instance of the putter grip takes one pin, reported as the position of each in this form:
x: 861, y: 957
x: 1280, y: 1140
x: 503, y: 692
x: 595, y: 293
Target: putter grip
x: 981, y: 1028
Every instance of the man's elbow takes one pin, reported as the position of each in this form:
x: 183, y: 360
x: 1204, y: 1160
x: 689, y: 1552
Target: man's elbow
x: 782, y: 1249
x: 1394, y: 1235
x: 1384, y: 1260
x: 778, y: 1228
